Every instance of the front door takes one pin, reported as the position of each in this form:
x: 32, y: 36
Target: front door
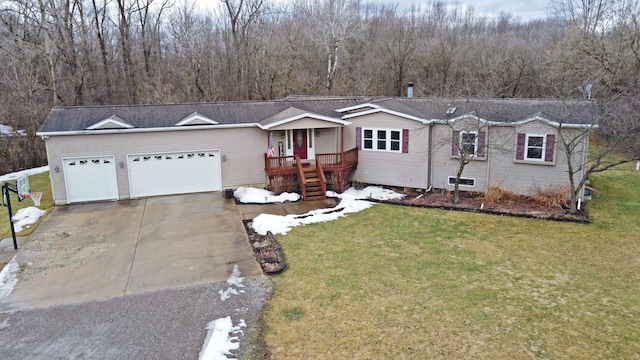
x: 300, y: 143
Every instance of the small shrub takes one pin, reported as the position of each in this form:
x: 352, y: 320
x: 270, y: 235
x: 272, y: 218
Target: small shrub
x: 340, y: 181
x: 552, y: 196
x: 498, y: 195
x: 285, y: 183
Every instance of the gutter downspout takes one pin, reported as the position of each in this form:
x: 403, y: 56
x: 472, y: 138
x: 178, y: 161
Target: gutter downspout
x: 487, y: 158
x: 585, y: 149
x: 430, y: 157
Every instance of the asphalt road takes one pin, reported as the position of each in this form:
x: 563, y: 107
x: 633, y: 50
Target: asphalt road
x: 166, y: 324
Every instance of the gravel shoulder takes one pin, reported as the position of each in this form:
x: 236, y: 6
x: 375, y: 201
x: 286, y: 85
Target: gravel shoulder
x: 168, y: 324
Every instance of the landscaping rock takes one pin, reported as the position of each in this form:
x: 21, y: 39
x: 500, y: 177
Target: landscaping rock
x: 267, y: 250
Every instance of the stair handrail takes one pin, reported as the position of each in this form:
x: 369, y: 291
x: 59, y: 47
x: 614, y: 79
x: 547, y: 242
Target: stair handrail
x: 301, y: 179
x: 323, y: 179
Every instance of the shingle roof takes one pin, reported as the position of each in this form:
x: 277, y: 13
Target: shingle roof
x: 502, y: 110
x: 73, y: 119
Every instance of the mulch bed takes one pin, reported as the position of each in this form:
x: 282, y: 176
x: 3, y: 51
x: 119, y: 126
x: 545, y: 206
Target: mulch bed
x: 270, y: 256
x: 475, y: 202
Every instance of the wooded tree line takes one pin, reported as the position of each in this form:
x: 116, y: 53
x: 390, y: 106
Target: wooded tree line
x: 82, y: 52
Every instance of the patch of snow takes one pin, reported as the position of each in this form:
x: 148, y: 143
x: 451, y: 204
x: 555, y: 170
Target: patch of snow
x: 221, y: 339
x: 351, y: 201
x: 234, y: 280
x: 5, y: 129
x: 19, y: 174
x: 27, y: 216
x: 8, y: 278
x: 262, y: 196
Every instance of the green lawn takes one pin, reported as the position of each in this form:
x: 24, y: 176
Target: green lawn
x: 408, y: 283
x: 38, y: 183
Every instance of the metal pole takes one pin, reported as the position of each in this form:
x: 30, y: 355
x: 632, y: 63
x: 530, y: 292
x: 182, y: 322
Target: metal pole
x: 5, y: 190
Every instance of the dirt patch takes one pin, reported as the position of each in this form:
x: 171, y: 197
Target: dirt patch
x: 37, y: 259
x: 476, y: 202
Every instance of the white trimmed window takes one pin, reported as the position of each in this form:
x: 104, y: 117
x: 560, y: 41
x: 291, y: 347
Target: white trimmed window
x: 536, y: 148
x: 468, y: 182
x: 469, y: 142
x: 392, y: 140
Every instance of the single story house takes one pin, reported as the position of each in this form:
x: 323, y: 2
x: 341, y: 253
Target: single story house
x: 100, y: 153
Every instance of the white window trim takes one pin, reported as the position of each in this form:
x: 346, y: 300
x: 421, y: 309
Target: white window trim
x: 374, y: 140
x: 475, y: 143
x: 451, y: 181
x: 526, y: 148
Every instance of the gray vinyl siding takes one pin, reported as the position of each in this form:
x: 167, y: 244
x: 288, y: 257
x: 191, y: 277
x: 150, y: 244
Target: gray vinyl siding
x: 446, y: 165
x: 391, y: 168
x: 501, y: 167
x: 244, y: 149
x: 527, y: 177
x: 328, y: 141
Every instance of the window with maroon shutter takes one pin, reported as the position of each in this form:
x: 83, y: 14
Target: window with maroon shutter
x: 383, y: 139
x: 405, y: 141
x: 454, y: 142
x: 534, y: 147
x: 482, y: 137
x: 549, y: 148
x: 522, y: 138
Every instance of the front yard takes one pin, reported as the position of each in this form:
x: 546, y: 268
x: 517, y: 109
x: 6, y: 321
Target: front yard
x: 403, y: 282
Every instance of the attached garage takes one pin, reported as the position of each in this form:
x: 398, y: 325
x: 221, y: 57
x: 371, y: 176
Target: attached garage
x: 174, y: 173
x: 90, y: 178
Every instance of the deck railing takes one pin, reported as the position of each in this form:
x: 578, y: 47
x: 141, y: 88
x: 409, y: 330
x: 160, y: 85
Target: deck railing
x: 280, y: 165
x: 288, y: 165
x: 335, y: 161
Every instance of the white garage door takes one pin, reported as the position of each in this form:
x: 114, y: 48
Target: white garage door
x: 90, y: 178
x: 174, y: 173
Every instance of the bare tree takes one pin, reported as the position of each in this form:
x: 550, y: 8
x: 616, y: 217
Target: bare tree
x: 334, y: 22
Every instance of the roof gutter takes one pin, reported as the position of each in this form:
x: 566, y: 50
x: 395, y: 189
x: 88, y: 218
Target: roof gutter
x: 45, y: 134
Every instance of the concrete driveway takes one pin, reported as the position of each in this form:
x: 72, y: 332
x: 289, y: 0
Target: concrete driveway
x: 104, y: 250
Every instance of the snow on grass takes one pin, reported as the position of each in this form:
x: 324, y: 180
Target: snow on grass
x: 8, y: 278
x: 234, y: 280
x: 27, y: 216
x: 351, y: 201
x: 250, y: 195
x: 19, y: 174
x: 221, y: 339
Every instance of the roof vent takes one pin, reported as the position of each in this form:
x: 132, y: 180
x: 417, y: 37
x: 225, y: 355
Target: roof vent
x: 451, y: 109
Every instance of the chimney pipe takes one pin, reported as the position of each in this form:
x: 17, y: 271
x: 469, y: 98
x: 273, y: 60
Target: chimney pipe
x: 410, y: 90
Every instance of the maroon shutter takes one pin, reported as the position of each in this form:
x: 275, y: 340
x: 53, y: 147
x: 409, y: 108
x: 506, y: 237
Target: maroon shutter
x: 405, y: 141
x: 482, y: 136
x: 551, y: 144
x: 454, y: 142
x: 522, y: 138
x: 359, y: 138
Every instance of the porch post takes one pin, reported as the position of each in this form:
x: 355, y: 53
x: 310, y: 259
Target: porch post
x: 342, y: 145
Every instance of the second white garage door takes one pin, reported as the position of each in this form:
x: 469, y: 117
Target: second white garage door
x: 174, y: 173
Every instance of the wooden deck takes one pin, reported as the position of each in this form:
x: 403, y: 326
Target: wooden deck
x: 312, y: 174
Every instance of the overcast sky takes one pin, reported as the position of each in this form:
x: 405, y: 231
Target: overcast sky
x: 523, y: 9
